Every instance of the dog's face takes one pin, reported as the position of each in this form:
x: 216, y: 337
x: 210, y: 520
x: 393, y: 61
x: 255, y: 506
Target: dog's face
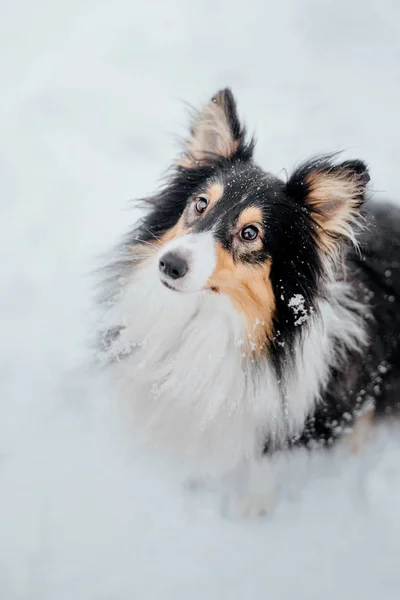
x: 223, y: 242
x: 224, y: 226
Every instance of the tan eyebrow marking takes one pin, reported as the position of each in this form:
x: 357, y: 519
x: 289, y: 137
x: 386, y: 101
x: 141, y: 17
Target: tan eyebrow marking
x: 250, y: 216
x: 214, y: 193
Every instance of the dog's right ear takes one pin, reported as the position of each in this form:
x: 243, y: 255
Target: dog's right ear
x: 216, y: 133
x: 332, y: 194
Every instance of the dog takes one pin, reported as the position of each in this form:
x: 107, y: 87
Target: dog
x: 246, y: 315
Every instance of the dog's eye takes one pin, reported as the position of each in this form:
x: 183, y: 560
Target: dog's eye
x: 249, y: 233
x: 201, y: 204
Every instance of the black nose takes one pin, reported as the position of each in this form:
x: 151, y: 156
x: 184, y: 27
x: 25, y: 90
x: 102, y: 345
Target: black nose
x: 173, y: 265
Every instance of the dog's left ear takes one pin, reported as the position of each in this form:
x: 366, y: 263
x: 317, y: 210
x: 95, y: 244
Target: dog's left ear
x: 216, y: 133
x: 333, y: 195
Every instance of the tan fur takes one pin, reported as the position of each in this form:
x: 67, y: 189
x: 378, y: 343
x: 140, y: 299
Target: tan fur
x: 250, y: 291
x: 210, y: 135
x: 144, y: 252
x: 335, y: 198
x: 362, y: 431
x: 148, y: 250
x: 214, y: 193
x: 177, y: 230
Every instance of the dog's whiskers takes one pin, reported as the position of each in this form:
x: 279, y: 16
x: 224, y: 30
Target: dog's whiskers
x: 152, y: 234
x: 146, y: 242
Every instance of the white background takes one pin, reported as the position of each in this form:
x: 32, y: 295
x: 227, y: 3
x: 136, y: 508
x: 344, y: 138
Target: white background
x: 91, y: 97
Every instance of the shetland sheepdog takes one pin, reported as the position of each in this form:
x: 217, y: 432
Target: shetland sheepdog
x: 246, y: 315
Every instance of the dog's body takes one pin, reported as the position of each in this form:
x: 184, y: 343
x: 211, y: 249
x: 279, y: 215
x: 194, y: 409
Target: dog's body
x: 240, y: 320
x: 370, y: 377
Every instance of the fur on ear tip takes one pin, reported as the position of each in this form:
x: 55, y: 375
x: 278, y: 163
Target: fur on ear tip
x: 332, y: 193
x: 216, y: 133
x: 359, y: 168
x: 223, y: 94
x: 324, y: 168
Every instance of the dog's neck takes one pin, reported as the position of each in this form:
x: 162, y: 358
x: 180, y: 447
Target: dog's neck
x: 182, y: 366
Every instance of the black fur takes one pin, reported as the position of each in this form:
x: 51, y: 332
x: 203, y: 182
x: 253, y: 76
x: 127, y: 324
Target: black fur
x: 374, y: 376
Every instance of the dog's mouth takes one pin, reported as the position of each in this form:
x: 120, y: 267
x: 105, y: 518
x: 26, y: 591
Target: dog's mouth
x: 170, y: 287
x: 212, y: 288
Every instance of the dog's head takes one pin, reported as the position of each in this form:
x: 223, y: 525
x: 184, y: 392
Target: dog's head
x: 224, y: 226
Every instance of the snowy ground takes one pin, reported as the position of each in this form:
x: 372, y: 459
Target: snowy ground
x: 90, y: 101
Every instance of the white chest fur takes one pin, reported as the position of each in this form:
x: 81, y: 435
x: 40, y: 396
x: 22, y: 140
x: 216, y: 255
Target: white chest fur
x: 182, y: 371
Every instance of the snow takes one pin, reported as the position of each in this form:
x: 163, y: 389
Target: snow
x: 296, y: 303
x: 91, y: 100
